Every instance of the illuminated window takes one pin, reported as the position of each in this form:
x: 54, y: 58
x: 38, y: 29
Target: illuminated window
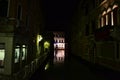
x: 109, y: 16
x: 112, y: 19
x: 102, y: 22
x: 17, y: 54
x: 106, y: 19
x: 24, y: 52
x: 115, y: 6
x: 114, y: 14
x: 2, y: 54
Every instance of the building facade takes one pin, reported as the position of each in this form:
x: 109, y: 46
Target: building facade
x: 59, y: 46
x: 95, y: 32
x: 20, y: 27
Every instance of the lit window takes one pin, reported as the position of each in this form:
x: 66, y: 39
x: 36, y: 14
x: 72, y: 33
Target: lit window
x: 109, y: 9
x: 2, y: 54
x: 102, y: 22
x: 115, y: 6
x: 106, y: 19
x: 17, y: 54
x: 114, y: 15
x: 112, y: 19
x: 109, y: 16
x: 24, y: 52
x: 103, y: 13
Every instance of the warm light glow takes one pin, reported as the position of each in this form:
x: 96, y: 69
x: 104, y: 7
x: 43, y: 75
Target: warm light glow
x: 24, y: 52
x: 115, y: 6
x: 106, y: 19
x: 60, y: 45
x: 59, y: 48
x: 46, y: 66
x: 104, y: 13
x: 112, y: 23
x: 2, y: 54
x: 102, y: 22
x: 46, y: 44
x: 59, y: 56
x: 109, y: 9
x: 60, y: 53
x: 17, y: 54
x: 40, y: 38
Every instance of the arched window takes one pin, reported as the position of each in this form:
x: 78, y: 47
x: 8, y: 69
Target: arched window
x: 114, y: 15
x: 109, y: 16
x: 99, y: 22
x: 104, y: 18
x: 102, y: 23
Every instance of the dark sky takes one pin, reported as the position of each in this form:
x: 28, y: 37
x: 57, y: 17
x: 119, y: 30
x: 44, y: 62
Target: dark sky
x: 58, y: 13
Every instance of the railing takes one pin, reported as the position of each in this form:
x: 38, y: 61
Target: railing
x: 104, y: 33
x: 6, y: 25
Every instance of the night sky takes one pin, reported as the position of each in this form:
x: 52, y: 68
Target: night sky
x: 58, y: 13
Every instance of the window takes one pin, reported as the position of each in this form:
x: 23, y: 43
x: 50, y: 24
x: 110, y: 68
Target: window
x: 106, y: 19
x: 17, y: 54
x: 112, y: 18
x: 24, y: 52
x: 93, y: 26
x: 2, y: 54
x: 115, y: 10
x: 103, y: 18
x: 87, y: 30
x: 109, y: 17
x: 3, y: 8
x: 19, y: 13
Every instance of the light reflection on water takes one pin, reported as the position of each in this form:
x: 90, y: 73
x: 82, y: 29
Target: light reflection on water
x: 59, y: 56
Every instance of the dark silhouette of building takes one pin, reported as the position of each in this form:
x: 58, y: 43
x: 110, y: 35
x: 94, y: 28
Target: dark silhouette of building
x: 95, y: 32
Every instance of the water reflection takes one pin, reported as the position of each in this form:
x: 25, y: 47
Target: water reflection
x: 59, y: 56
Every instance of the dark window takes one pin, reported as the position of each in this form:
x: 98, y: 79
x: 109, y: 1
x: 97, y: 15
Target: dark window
x: 3, y: 8
x: 117, y: 56
x: 19, y: 12
x: 87, y: 30
x: 86, y: 10
x: 93, y: 26
x: 100, y: 22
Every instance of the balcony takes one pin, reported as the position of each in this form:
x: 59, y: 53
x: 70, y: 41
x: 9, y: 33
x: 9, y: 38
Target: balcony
x: 104, y: 33
x: 6, y: 25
